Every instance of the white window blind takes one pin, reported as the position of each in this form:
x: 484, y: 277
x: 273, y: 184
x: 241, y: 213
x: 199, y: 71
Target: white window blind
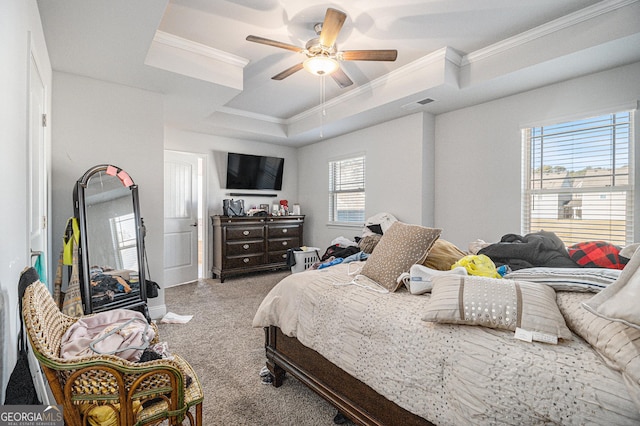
x: 579, y: 179
x: 347, y: 190
x: 123, y: 232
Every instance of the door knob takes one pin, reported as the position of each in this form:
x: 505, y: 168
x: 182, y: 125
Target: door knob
x: 194, y: 224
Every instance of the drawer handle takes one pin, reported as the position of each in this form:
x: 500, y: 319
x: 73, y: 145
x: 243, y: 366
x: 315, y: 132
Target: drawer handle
x: 245, y: 260
x: 284, y: 243
x: 284, y: 256
x: 284, y: 231
x: 246, y: 246
x: 245, y: 232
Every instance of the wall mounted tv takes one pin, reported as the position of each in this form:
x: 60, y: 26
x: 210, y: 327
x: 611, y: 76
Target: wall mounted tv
x: 246, y: 171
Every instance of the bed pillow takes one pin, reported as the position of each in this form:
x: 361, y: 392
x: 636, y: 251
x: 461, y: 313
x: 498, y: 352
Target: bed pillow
x: 368, y: 243
x: 618, y: 343
x: 619, y: 301
x: 401, y: 246
x: 442, y: 255
x: 497, y: 303
x: 568, y: 279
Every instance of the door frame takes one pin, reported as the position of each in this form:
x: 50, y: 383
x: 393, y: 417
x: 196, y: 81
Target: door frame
x: 203, y: 223
x: 36, y: 59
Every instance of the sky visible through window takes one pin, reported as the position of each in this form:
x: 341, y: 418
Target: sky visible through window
x: 582, y: 144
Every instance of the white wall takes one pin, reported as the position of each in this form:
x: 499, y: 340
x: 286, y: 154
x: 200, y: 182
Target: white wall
x: 478, y: 150
x: 395, y: 155
x: 19, y: 23
x: 214, y: 148
x: 96, y: 122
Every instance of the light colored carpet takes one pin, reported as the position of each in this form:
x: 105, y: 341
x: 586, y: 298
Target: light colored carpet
x: 227, y: 353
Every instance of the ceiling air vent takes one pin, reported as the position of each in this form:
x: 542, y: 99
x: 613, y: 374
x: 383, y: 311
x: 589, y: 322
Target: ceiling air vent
x: 417, y: 104
x: 425, y: 101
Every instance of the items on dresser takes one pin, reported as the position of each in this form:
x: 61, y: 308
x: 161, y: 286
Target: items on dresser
x: 251, y: 244
x: 232, y: 207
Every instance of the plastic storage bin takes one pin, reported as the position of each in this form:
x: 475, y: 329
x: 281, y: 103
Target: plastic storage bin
x: 305, y: 258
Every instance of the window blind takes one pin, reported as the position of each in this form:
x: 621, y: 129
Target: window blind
x: 347, y: 190
x: 579, y: 179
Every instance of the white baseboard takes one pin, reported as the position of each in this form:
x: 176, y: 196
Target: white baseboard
x: 157, y: 312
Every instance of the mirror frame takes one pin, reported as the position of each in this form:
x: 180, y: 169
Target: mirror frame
x: 80, y: 211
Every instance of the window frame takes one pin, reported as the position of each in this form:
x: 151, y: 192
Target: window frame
x: 334, y: 193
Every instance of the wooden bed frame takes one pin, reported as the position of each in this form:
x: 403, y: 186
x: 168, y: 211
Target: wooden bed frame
x: 356, y: 400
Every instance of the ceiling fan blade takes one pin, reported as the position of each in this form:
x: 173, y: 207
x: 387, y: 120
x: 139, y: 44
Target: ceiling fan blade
x: 369, y: 55
x: 341, y: 78
x: 268, y: 42
x: 331, y: 26
x: 286, y: 73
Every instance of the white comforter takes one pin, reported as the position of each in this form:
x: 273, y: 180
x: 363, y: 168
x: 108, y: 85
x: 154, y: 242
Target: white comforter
x: 448, y: 374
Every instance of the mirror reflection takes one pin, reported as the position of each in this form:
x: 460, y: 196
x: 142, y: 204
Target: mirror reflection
x: 111, y: 237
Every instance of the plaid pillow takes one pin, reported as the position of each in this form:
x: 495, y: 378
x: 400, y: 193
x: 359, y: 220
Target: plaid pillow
x: 597, y: 254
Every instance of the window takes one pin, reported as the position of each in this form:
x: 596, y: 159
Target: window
x: 579, y: 179
x: 346, y: 190
x: 123, y: 231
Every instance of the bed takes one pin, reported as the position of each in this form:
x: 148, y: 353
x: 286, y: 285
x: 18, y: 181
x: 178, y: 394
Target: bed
x: 373, y: 356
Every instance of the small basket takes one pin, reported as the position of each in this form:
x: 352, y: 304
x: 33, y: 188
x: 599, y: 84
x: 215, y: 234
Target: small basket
x: 305, y: 258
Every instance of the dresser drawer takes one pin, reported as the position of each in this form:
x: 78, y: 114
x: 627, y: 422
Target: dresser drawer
x: 244, y: 261
x: 239, y: 248
x: 277, y: 257
x: 277, y: 244
x: 244, y: 233
x: 283, y: 231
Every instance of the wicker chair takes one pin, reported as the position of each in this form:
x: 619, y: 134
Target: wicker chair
x: 106, y: 389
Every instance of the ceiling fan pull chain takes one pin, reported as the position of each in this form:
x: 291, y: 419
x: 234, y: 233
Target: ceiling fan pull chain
x: 322, y: 103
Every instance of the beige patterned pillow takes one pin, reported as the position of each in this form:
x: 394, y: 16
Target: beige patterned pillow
x: 496, y: 303
x: 402, y: 246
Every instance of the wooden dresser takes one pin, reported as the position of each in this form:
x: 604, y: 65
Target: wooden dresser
x: 249, y: 244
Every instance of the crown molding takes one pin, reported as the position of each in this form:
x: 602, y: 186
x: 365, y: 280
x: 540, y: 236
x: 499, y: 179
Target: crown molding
x: 251, y: 115
x: 199, y: 49
x: 546, y: 29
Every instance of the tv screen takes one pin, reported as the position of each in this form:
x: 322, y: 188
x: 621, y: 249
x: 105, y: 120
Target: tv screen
x: 246, y: 171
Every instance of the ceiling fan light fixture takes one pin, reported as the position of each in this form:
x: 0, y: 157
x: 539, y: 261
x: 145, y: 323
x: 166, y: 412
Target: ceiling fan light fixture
x: 320, y: 65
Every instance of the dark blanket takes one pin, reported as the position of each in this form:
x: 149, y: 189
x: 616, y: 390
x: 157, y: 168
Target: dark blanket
x: 536, y: 249
x: 337, y: 251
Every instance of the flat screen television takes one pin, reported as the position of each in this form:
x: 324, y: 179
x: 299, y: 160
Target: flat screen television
x: 246, y: 171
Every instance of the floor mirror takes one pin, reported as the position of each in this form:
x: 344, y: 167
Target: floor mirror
x: 111, y: 249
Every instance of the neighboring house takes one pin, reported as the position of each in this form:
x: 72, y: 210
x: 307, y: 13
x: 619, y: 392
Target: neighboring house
x: 459, y: 171
x: 558, y: 209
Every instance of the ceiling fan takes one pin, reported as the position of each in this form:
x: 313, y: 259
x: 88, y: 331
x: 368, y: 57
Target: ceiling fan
x: 322, y: 54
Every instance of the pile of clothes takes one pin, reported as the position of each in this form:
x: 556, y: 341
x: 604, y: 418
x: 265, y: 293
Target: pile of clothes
x: 343, y: 250
x: 546, y: 249
x: 105, y: 284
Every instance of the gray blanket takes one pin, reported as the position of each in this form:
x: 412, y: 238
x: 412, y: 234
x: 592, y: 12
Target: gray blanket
x: 536, y: 249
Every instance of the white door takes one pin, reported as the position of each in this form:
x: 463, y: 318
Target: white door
x: 181, y: 218
x: 37, y: 167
